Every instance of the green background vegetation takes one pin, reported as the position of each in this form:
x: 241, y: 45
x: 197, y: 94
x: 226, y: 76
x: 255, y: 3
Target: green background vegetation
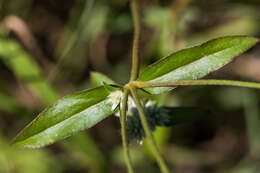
x: 48, y: 49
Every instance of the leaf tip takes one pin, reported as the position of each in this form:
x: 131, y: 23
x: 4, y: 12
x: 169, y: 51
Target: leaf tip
x: 256, y: 39
x: 27, y: 144
x: 16, y: 143
x: 93, y: 73
x: 253, y: 40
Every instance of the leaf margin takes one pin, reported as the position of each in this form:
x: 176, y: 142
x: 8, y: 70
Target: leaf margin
x: 150, y: 68
x: 19, y: 142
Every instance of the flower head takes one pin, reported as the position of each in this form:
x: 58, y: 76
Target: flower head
x: 116, y: 97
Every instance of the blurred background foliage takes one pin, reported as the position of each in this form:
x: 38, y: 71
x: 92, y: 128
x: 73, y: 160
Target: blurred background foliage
x: 48, y: 49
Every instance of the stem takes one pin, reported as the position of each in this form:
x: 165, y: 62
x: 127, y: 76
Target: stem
x: 134, y: 75
x: 197, y: 82
x: 123, y: 132
x: 135, y: 59
x: 148, y: 133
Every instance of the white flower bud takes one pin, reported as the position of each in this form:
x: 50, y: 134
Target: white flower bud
x: 116, y: 97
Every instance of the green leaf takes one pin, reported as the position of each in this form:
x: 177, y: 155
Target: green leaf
x: 26, y: 69
x: 67, y: 116
x: 195, y: 62
x: 98, y: 79
x: 111, y: 88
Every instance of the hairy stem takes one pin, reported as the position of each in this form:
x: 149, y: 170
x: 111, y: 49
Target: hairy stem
x: 134, y: 75
x: 135, y: 59
x: 123, y: 109
x: 148, y: 133
x: 196, y: 82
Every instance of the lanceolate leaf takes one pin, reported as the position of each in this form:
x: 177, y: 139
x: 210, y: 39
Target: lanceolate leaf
x: 98, y: 79
x: 67, y: 116
x: 195, y: 62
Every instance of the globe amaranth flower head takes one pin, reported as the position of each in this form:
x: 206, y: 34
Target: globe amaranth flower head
x: 156, y: 116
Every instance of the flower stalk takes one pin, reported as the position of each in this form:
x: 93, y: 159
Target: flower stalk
x: 128, y: 87
x: 123, y: 109
x: 148, y: 132
x: 135, y: 50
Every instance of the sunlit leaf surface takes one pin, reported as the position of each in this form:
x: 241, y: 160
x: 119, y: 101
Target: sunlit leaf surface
x: 195, y: 62
x: 67, y: 116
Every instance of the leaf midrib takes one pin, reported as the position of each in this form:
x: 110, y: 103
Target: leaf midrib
x: 33, y: 146
x: 202, y: 57
x: 58, y: 122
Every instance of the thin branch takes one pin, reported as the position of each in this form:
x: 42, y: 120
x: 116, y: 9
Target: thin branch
x: 123, y: 109
x: 134, y: 75
x: 148, y: 133
x: 197, y: 82
x: 136, y: 21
